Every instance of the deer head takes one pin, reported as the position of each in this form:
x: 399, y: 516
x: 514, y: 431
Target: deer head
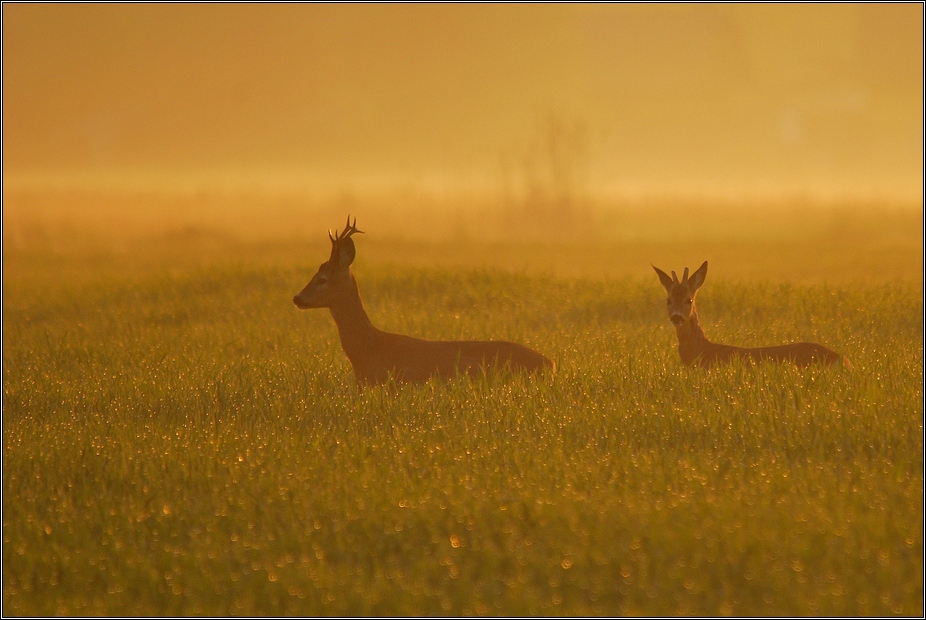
x: 681, y: 294
x: 333, y: 278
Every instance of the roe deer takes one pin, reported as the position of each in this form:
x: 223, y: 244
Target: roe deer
x: 376, y: 355
x: 695, y: 348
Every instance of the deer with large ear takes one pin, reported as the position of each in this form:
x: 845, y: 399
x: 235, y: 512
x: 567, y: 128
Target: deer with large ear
x: 379, y: 356
x: 682, y: 293
x: 332, y: 282
x: 695, y: 348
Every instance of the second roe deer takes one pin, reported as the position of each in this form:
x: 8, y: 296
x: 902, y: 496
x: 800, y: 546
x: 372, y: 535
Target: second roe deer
x: 695, y: 348
x: 377, y: 355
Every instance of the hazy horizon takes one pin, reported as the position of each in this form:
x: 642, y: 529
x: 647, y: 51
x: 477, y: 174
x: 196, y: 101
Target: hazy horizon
x: 711, y: 99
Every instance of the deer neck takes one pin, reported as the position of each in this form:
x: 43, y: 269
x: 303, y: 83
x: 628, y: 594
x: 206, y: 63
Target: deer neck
x: 355, y: 329
x: 691, y: 339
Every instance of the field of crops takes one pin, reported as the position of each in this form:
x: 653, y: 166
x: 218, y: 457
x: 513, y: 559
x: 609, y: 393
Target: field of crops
x: 179, y: 439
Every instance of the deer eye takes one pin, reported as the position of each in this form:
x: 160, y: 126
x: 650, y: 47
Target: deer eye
x: 321, y: 280
x: 689, y: 302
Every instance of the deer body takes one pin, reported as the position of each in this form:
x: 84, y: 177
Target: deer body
x: 376, y: 355
x: 695, y: 348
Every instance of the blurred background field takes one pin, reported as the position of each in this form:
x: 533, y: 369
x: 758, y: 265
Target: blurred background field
x: 783, y: 239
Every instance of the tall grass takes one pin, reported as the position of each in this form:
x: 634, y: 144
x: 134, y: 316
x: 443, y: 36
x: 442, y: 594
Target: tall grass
x: 180, y: 440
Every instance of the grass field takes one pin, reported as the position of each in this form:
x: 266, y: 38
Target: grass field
x: 179, y: 439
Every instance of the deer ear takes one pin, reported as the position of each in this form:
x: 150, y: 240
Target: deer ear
x: 344, y: 252
x: 664, y: 279
x: 697, y: 278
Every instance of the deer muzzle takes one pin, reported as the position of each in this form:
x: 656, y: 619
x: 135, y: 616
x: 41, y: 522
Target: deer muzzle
x: 301, y: 303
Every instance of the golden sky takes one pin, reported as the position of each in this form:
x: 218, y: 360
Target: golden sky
x: 702, y: 97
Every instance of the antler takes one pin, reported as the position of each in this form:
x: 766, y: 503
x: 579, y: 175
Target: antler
x: 684, y: 277
x: 349, y: 229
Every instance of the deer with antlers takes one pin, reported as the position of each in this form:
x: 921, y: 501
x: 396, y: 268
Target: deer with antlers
x: 377, y: 355
x: 695, y: 348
